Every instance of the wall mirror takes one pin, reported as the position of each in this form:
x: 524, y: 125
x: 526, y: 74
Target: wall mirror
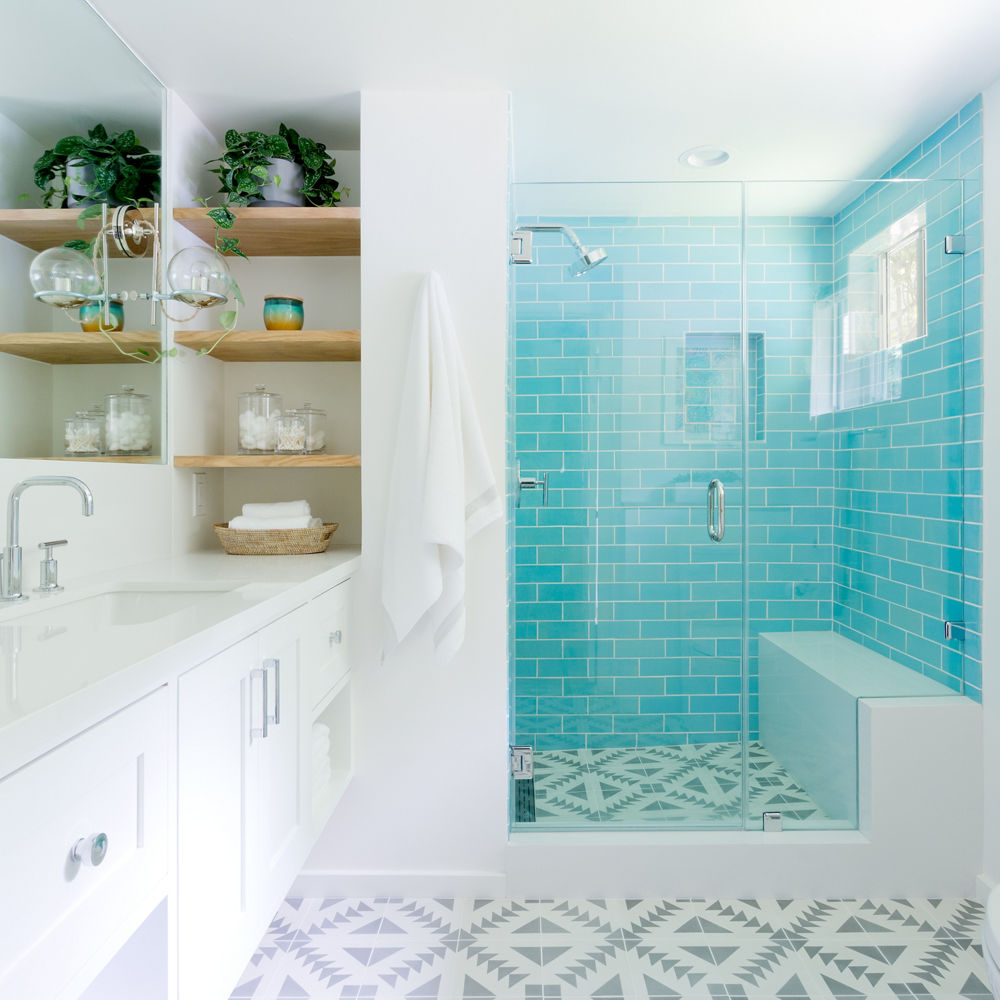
x: 64, y: 74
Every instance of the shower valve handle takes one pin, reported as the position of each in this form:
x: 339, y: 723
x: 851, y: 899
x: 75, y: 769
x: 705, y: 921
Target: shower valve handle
x: 526, y: 483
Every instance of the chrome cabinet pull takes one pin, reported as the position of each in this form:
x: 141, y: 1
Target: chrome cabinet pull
x: 336, y: 638
x: 716, y: 496
x: 264, y: 718
x: 276, y: 665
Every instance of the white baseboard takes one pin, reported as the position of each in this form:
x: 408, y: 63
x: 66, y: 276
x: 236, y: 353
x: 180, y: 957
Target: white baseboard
x: 417, y: 885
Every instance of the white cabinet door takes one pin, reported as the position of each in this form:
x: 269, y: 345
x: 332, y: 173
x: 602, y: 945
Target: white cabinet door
x: 84, y: 853
x: 243, y: 830
x: 216, y: 766
x: 278, y: 834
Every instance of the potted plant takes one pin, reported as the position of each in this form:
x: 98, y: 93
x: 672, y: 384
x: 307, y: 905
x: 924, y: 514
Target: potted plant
x: 286, y: 169
x: 98, y: 167
x: 279, y: 169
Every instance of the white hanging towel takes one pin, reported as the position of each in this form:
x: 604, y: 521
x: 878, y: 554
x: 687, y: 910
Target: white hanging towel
x: 442, y: 490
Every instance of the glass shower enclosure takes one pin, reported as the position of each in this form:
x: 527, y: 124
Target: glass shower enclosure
x: 737, y: 445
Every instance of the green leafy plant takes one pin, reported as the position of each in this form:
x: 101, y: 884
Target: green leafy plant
x: 125, y: 172
x: 243, y: 168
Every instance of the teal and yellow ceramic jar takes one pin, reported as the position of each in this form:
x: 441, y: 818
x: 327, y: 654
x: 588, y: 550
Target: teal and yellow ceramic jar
x: 283, y: 312
x: 92, y: 315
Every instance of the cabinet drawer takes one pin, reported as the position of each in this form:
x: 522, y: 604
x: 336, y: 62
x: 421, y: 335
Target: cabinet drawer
x: 328, y: 654
x: 55, y: 911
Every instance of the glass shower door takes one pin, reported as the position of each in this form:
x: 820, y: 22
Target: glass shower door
x: 629, y: 585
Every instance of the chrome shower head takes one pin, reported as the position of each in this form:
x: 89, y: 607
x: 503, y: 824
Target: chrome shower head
x: 588, y: 260
x: 521, y: 252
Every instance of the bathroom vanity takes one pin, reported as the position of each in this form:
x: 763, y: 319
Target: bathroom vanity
x: 157, y: 759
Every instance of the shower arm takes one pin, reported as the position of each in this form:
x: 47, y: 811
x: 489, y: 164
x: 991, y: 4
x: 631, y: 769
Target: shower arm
x: 554, y: 227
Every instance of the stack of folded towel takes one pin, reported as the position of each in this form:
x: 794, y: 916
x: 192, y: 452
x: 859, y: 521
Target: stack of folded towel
x: 322, y: 772
x: 289, y: 515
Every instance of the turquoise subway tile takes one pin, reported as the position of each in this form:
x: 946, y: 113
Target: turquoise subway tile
x: 639, y: 686
x: 665, y: 705
x: 587, y: 723
x: 638, y: 723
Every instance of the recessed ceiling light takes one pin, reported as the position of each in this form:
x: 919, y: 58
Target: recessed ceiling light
x: 703, y: 156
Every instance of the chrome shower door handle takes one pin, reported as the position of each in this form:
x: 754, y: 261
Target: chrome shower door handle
x: 716, y: 497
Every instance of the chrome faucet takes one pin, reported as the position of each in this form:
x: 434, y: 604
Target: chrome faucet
x: 10, y: 565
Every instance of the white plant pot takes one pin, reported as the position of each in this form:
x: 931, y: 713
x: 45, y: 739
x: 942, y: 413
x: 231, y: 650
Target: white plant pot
x: 288, y: 191
x: 80, y: 183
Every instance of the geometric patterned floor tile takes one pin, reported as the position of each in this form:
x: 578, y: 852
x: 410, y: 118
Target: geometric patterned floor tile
x: 688, y: 783
x: 648, y: 949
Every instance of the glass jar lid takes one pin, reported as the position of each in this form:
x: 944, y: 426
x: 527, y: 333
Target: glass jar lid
x: 128, y: 392
x: 258, y: 392
x: 308, y: 408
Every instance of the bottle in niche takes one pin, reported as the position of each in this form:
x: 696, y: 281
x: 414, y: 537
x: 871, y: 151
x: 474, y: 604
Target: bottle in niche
x: 257, y: 417
x: 128, y: 423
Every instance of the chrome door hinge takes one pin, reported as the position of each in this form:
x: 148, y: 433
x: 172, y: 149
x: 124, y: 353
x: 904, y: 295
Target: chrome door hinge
x: 522, y: 762
x: 772, y: 822
x: 955, y: 244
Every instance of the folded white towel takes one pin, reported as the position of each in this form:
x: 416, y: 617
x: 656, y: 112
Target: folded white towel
x: 442, y: 489
x: 242, y: 523
x: 285, y: 508
x: 320, y: 730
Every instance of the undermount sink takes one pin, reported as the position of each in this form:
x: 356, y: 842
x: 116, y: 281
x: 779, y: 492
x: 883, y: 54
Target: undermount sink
x: 121, y: 605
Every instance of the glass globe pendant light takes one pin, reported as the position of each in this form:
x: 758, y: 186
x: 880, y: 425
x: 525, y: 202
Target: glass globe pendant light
x: 199, y: 277
x: 65, y: 278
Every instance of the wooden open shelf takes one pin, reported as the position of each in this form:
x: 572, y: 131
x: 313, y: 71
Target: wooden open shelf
x: 42, y: 228
x: 78, y: 347
x: 267, y: 461
x: 276, y: 345
x: 284, y: 232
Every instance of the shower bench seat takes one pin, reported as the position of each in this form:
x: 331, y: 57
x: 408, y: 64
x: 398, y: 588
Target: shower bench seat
x: 811, y: 684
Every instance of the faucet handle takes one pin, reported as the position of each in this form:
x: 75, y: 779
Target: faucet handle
x: 48, y: 570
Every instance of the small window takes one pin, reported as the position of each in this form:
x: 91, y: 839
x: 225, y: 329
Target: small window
x: 901, y: 291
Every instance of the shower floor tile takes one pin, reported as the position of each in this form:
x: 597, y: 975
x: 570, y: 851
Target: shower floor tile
x: 652, y: 949
x: 686, y: 784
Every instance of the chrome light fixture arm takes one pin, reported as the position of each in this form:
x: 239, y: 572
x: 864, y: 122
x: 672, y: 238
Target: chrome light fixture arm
x: 198, y: 276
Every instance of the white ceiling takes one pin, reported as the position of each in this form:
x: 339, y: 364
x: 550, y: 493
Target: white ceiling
x: 600, y: 90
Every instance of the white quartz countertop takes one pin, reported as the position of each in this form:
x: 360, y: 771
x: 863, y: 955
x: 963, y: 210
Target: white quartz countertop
x: 71, y: 659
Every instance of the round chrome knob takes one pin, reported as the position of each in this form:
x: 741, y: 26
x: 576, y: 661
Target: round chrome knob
x: 336, y: 638
x: 90, y: 850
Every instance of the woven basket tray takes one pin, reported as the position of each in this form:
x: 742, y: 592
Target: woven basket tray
x: 287, y: 542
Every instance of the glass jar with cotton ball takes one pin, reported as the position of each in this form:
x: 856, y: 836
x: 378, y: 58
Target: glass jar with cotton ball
x: 257, y: 416
x: 128, y: 423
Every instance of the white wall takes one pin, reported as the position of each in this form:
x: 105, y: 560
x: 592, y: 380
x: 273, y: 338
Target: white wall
x: 991, y: 481
x: 430, y: 788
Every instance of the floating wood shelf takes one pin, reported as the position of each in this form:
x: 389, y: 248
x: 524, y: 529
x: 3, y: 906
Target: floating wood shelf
x: 78, y: 347
x: 267, y: 461
x: 276, y: 345
x: 284, y: 232
x: 42, y: 228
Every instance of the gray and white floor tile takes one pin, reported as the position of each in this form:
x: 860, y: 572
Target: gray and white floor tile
x: 652, y: 949
x: 689, y: 783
